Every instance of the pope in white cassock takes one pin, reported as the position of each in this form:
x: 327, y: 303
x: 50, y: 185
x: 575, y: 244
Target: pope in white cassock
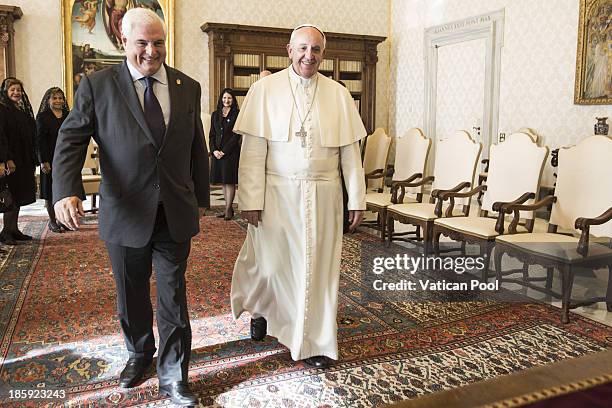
x: 299, y: 129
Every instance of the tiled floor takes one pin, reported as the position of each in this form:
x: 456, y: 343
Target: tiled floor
x: 591, y: 283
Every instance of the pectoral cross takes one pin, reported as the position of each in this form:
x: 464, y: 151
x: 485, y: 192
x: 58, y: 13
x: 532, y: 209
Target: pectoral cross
x: 302, y: 135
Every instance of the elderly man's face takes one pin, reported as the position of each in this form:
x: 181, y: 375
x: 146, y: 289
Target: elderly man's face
x: 146, y: 47
x: 306, y: 51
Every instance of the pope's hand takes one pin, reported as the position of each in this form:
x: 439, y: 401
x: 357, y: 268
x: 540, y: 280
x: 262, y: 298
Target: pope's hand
x: 252, y: 216
x: 355, y: 218
x: 68, y: 210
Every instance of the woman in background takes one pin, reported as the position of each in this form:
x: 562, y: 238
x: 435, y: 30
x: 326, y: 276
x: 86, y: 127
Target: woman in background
x: 225, y: 148
x: 51, y: 114
x: 18, y: 123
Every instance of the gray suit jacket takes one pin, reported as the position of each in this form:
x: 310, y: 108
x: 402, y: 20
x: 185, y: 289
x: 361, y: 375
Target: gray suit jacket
x: 136, y: 174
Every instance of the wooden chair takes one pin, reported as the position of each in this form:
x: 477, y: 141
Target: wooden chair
x: 582, y: 205
x: 514, y: 176
x: 91, y: 176
x: 411, y: 154
x: 482, y: 177
x: 456, y: 159
x: 375, y: 160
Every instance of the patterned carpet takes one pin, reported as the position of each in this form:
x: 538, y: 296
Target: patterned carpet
x: 58, y: 332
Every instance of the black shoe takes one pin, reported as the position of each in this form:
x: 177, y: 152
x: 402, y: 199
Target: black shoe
x: 133, y: 372
x: 229, y: 215
x: 259, y: 327
x: 53, y: 227
x: 7, y: 239
x: 221, y: 215
x: 179, y: 394
x: 318, y: 361
x: 20, y: 236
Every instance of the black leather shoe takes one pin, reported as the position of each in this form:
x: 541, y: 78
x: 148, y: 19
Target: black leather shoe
x: 133, y: 372
x: 259, y: 328
x: 179, y: 394
x: 318, y: 361
x: 53, y: 227
x: 7, y: 239
x: 20, y: 236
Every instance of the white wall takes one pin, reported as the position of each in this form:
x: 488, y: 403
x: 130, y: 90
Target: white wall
x: 39, y: 42
x: 537, y: 71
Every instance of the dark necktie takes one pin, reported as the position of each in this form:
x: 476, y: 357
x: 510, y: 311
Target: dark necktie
x: 153, y: 112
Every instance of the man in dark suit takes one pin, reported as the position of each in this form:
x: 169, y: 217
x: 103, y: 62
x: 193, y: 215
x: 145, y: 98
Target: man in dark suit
x: 145, y: 118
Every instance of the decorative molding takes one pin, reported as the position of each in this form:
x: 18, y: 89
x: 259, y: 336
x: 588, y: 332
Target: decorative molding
x: 8, y: 15
x: 489, y: 27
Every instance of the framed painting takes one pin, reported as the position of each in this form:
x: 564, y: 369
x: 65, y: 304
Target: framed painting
x: 92, y: 35
x: 594, y: 54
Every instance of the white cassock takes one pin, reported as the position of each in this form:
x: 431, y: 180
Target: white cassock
x: 289, y: 266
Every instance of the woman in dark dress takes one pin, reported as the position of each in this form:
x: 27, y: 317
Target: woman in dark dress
x: 4, y: 156
x: 18, y: 123
x: 225, y: 148
x: 51, y: 114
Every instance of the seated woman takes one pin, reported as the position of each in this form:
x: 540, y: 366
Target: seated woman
x: 51, y: 114
x: 225, y: 148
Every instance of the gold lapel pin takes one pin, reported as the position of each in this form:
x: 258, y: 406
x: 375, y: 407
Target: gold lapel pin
x: 178, y: 81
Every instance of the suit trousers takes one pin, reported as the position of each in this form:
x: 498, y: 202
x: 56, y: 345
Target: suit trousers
x: 132, y: 269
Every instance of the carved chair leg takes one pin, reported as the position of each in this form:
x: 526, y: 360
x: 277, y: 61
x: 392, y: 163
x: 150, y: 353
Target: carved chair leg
x: 485, y: 250
x: 436, y: 241
x: 463, y: 245
x: 525, y: 271
x: 567, y: 281
x: 497, y: 261
x: 549, y: 277
x: 383, y: 223
x: 609, y: 291
x: 427, y: 233
x: 418, y: 232
x: 390, y: 228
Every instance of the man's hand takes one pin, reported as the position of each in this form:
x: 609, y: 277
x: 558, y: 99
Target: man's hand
x: 45, y: 167
x: 355, y: 218
x: 218, y: 154
x: 252, y: 216
x: 68, y: 210
x: 11, y: 166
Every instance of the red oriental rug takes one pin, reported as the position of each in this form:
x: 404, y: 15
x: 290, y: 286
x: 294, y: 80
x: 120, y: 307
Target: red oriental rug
x: 60, y: 341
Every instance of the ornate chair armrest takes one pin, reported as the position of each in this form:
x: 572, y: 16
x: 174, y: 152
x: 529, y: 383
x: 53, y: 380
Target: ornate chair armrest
x: 499, y: 205
x: 435, y: 194
x: 507, y: 208
x: 453, y: 194
x: 584, y: 224
x: 402, y: 184
x: 378, y: 173
x: 406, y: 183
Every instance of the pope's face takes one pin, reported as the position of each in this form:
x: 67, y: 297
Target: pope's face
x: 145, y: 47
x: 306, y: 51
